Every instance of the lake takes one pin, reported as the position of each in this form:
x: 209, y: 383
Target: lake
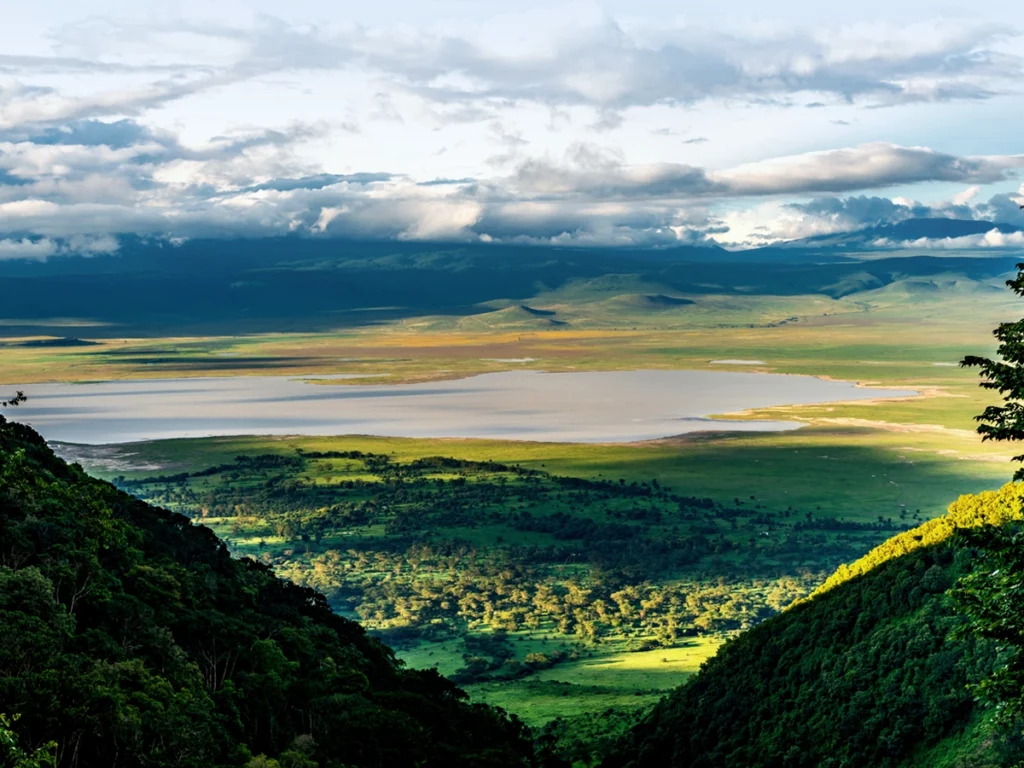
x: 616, y: 406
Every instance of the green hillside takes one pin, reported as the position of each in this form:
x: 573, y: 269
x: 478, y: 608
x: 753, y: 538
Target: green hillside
x: 132, y: 638
x: 875, y: 670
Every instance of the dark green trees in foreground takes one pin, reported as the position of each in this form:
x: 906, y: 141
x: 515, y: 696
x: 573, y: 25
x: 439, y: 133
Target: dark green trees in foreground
x: 993, y: 596
x: 130, y: 637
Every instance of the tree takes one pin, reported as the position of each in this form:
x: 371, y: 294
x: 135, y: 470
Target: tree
x: 18, y: 399
x: 1005, y: 375
x: 14, y: 756
x: 991, y: 595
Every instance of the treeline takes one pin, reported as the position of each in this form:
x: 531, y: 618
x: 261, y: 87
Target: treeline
x: 469, y: 545
x: 260, y: 461
x: 988, y: 508
x: 455, y: 588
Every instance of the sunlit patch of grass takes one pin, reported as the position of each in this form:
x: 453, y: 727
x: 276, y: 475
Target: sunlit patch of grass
x: 607, y: 679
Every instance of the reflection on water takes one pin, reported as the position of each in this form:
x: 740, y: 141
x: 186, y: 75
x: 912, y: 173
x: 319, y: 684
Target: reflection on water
x: 615, y: 406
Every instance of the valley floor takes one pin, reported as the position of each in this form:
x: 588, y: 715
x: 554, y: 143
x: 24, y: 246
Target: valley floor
x: 784, y: 508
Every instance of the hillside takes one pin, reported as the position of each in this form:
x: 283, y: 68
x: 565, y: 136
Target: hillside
x: 532, y: 582
x: 300, y: 285
x: 871, y: 671
x: 132, y: 637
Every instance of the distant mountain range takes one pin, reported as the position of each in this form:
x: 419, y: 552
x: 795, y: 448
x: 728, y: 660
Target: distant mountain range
x: 304, y: 284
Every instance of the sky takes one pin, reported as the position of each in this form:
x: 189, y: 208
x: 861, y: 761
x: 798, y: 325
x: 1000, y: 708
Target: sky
x: 642, y: 123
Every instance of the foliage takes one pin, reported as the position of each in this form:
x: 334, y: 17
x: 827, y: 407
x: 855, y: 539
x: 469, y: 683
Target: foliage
x: 993, y: 598
x: 587, y: 739
x: 433, y: 547
x: 1006, y: 376
x: 871, y: 672
x: 18, y: 399
x: 988, y: 508
x: 132, y: 637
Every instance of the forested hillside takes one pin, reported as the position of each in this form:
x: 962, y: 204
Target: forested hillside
x: 132, y: 638
x: 876, y: 670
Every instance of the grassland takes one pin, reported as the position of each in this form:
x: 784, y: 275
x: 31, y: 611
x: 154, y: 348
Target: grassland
x: 485, y: 571
x: 872, y: 475
x: 855, y: 472
x: 854, y: 475
x: 879, y: 336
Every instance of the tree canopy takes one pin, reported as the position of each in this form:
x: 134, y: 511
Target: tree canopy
x: 132, y: 638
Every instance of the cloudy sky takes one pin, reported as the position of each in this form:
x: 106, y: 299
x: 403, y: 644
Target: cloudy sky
x: 644, y: 122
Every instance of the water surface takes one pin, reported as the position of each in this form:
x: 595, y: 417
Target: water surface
x: 615, y: 406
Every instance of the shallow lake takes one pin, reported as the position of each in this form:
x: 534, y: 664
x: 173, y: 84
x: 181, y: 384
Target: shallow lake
x: 619, y: 406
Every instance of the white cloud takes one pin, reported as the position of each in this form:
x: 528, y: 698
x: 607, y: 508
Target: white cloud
x: 256, y: 185
x: 965, y: 197
x: 588, y: 170
x: 539, y: 123
x: 43, y: 248
x: 993, y: 239
x: 771, y: 223
x: 545, y: 57
x: 864, y: 167
x: 37, y: 250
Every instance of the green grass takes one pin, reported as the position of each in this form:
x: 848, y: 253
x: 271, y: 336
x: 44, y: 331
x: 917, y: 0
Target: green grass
x: 592, y: 685
x: 903, y: 460
x: 849, y: 471
x: 883, y: 336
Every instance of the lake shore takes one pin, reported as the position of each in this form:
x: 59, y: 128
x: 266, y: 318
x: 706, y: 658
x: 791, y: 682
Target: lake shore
x: 587, y: 407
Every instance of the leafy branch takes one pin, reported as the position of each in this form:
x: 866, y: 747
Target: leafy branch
x: 18, y: 399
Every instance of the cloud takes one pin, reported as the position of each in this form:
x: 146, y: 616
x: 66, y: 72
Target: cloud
x: 600, y: 64
x: 321, y: 180
x: 118, y: 134
x: 862, y: 211
x: 40, y: 249
x: 965, y: 197
x: 608, y: 120
x: 22, y: 106
x: 1004, y: 207
x: 83, y: 153
x: 864, y: 167
x: 780, y: 221
x: 594, y: 62
x: 95, y: 180
x: 32, y: 250
x: 993, y: 239
x: 589, y: 170
x: 594, y: 172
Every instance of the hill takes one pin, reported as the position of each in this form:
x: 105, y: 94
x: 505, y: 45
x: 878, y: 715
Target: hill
x: 133, y: 638
x: 298, y: 285
x: 871, y: 671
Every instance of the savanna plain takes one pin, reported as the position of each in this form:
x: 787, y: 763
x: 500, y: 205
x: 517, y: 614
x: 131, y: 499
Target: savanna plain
x: 573, y: 584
